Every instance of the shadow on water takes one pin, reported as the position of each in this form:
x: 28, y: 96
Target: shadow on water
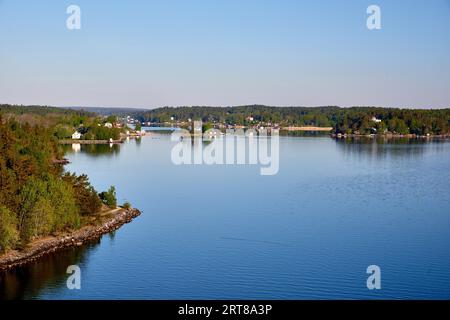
x: 138, y: 141
x: 28, y: 281
x: 306, y: 134
x: 93, y: 150
x: 380, y: 148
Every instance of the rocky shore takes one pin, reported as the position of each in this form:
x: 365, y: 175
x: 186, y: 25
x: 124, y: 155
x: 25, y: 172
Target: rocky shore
x: 50, y: 245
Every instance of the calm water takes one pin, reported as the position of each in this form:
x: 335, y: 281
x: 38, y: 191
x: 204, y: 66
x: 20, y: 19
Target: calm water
x: 334, y: 208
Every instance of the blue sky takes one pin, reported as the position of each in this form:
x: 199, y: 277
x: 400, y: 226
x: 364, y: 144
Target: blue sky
x: 225, y: 52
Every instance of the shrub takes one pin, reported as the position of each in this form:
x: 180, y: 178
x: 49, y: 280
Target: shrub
x: 109, y: 197
x: 127, y: 205
x: 8, y: 229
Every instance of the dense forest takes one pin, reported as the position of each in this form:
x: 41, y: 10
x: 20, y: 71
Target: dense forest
x: 64, y: 122
x: 37, y: 197
x: 355, y: 120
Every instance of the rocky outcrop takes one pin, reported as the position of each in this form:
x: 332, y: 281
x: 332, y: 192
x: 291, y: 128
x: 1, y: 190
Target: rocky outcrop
x: 46, y: 246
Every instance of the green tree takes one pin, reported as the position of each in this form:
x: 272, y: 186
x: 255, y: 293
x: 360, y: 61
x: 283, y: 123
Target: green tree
x: 8, y: 229
x: 48, y: 205
x: 127, y: 205
x: 30, y: 195
x: 138, y: 127
x: 381, y: 127
x: 39, y: 221
x: 111, y: 119
x: 63, y: 132
x: 109, y: 197
x: 401, y: 127
x: 86, y: 197
x: 61, y: 196
x: 36, y: 197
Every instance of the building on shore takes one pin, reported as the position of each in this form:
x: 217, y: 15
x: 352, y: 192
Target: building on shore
x: 76, y: 135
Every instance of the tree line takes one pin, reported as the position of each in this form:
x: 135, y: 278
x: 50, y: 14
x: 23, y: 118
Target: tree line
x: 64, y: 122
x: 37, y: 196
x: 355, y: 120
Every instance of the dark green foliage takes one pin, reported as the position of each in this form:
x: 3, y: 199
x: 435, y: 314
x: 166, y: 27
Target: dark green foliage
x: 138, y: 127
x: 127, y: 205
x: 63, y: 122
x: 96, y: 132
x: 86, y: 197
x: 36, y: 197
x: 8, y: 229
x: 111, y: 119
x: 343, y: 120
x: 63, y: 132
x: 109, y: 197
x: 42, y: 110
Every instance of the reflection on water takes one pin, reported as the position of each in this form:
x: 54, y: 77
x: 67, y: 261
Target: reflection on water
x: 94, y: 150
x: 226, y: 232
x: 27, y: 281
x: 138, y: 141
x: 389, y: 147
x: 76, y: 147
x: 304, y: 133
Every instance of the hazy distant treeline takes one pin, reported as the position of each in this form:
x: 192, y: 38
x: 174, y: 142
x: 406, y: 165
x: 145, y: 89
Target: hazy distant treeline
x: 343, y: 120
x: 63, y: 122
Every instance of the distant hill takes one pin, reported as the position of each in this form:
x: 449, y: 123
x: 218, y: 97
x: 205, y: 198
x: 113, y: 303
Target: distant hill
x: 107, y: 111
x: 38, y: 110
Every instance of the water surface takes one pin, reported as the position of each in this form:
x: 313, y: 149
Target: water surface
x: 226, y: 232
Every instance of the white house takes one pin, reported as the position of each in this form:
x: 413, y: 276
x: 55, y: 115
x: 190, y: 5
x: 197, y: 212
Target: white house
x: 76, y: 135
x: 374, y: 119
x: 108, y: 125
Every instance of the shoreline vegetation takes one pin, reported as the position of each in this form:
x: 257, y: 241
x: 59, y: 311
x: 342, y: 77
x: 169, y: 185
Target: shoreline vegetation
x: 39, y: 199
x: 43, y: 208
x: 109, y: 222
x: 357, y: 121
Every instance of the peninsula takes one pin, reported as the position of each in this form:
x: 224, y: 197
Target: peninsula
x: 44, y: 208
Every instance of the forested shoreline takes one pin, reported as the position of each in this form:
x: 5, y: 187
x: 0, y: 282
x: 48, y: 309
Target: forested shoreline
x: 64, y: 122
x: 355, y: 120
x: 38, y: 197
